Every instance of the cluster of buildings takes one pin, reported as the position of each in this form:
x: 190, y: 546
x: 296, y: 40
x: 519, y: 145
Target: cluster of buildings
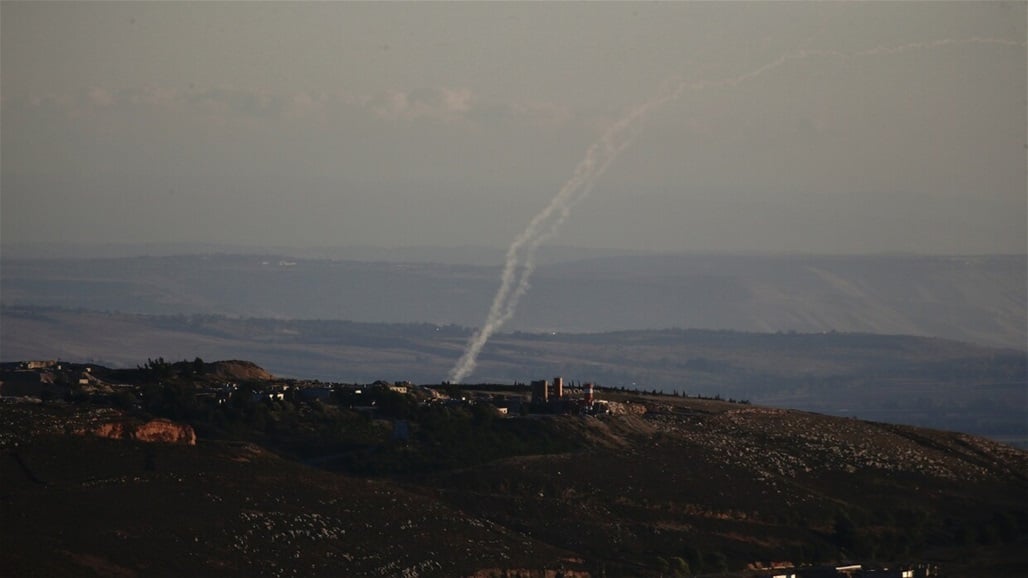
x: 854, y: 571
x: 46, y: 379
x: 555, y: 398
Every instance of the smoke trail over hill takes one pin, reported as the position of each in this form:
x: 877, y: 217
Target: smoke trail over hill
x: 520, y: 259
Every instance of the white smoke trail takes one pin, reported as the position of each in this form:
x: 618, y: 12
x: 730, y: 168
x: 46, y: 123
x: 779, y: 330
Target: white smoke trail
x: 520, y: 260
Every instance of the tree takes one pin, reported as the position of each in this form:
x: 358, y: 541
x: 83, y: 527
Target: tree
x: 844, y: 531
x: 124, y: 399
x: 157, y: 368
x: 678, y: 566
x: 693, y: 556
x: 394, y: 405
x: 715, y: 562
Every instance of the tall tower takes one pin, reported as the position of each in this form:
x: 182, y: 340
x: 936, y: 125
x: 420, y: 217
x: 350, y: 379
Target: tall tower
x: 540, y: 391
x: 558, y: 387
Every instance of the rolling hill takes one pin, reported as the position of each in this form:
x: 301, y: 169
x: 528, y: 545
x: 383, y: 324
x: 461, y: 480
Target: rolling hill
x: 678, y: 486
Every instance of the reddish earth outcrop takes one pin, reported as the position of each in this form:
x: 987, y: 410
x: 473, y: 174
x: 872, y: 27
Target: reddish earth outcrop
x: 165, y: 431
x: 157, y: 430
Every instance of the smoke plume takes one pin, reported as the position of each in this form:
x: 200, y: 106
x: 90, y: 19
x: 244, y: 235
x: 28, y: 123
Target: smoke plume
x: 520, y: 260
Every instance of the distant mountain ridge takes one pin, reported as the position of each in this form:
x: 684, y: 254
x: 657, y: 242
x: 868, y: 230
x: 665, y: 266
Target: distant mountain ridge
x: 449, y: 255
x: 975, y: 299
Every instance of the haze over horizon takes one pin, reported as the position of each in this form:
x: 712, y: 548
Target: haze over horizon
x: 450, y: 125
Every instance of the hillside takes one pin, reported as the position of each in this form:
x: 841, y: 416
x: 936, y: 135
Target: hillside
x: 77, y: 506
x: 900, y: 379
x: 674, y: 486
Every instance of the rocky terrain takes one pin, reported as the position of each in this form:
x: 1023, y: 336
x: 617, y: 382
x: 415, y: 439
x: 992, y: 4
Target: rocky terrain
x: 676, y: 486
x: 700, y: 483
x: 75, y: 505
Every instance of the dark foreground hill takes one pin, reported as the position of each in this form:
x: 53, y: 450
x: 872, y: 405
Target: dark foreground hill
x: 668, y: 486
x: 78, y: 506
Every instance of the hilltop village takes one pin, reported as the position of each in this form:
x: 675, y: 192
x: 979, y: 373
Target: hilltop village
x: 224, y: 381
x: 548, y: 478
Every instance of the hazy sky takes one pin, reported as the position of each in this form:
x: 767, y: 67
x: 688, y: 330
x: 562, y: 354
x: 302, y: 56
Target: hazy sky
x: 278, y: 123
